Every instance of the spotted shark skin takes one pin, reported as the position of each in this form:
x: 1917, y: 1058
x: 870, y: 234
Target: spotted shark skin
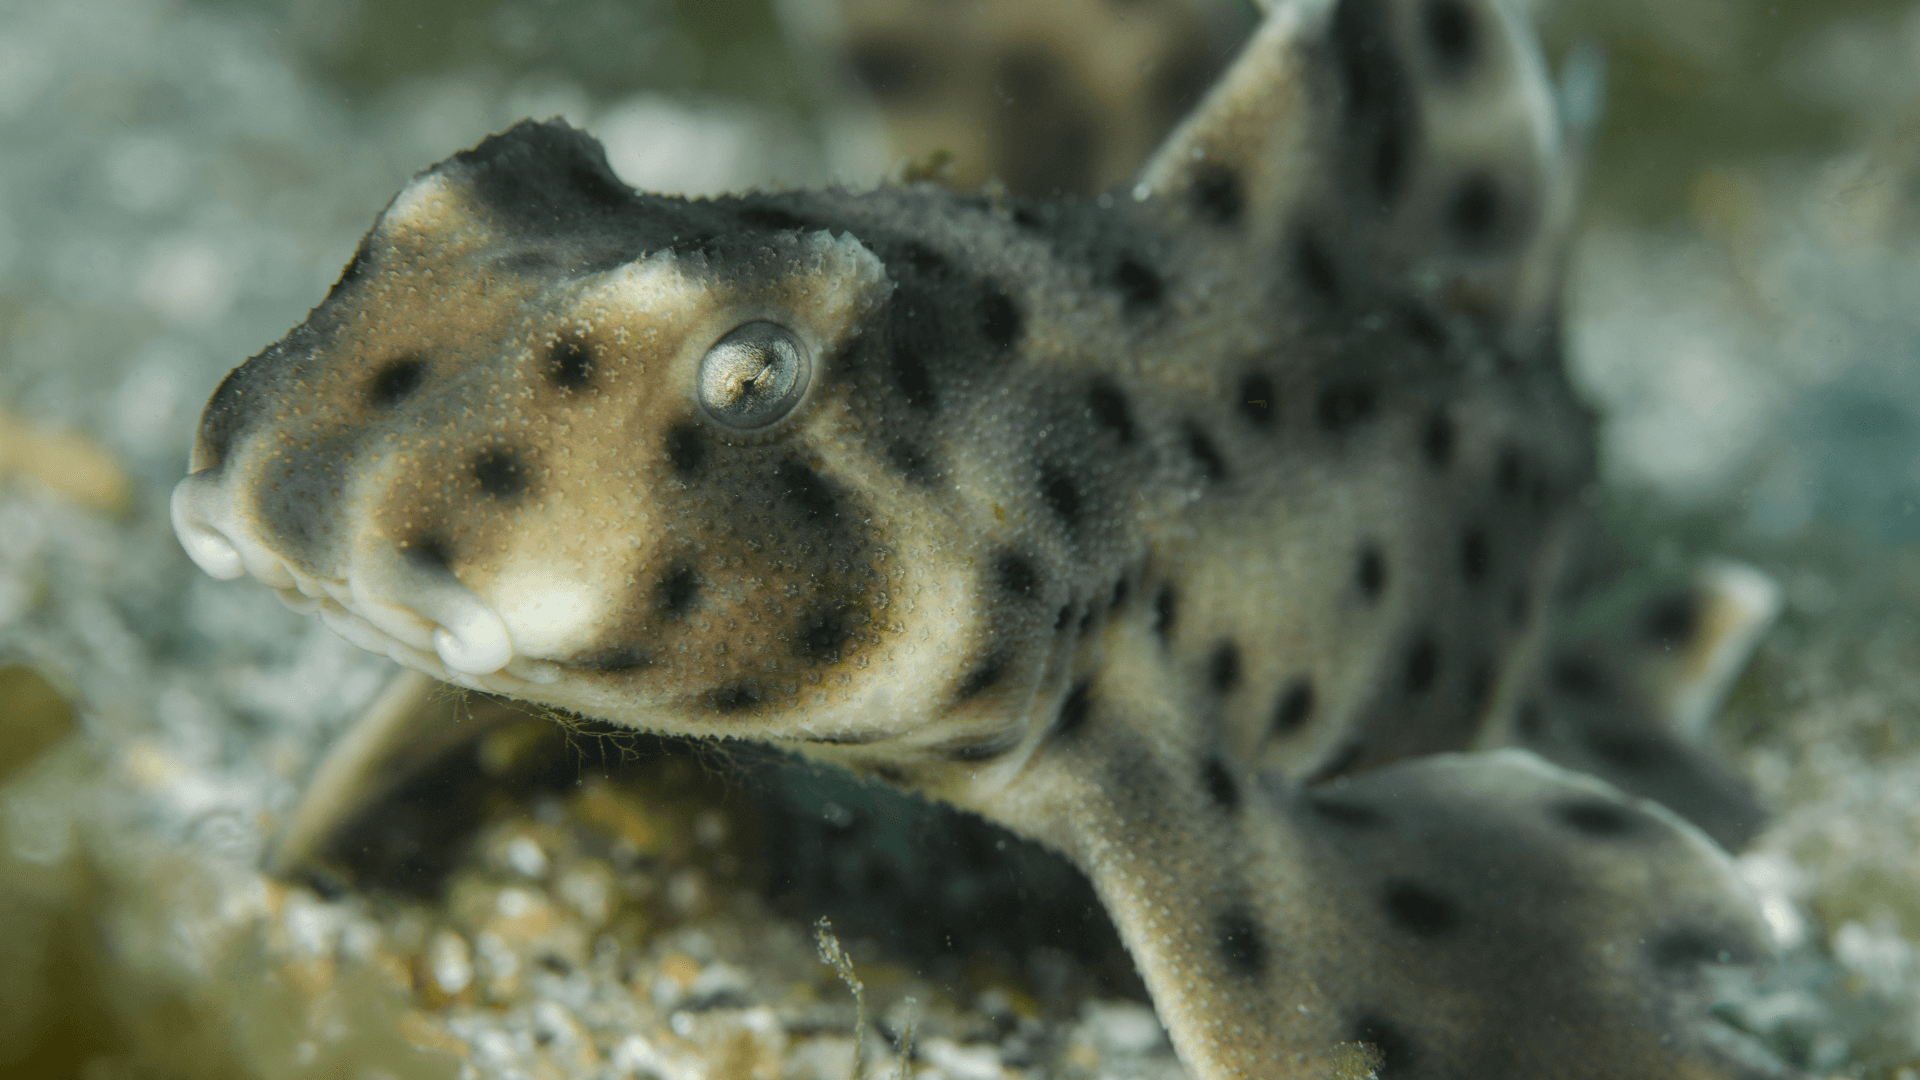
x: 1209, y: 531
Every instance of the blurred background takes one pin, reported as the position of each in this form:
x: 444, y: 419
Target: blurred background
x: 180, y: 181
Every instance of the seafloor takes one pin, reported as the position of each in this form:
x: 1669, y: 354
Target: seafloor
x: 179, y: 182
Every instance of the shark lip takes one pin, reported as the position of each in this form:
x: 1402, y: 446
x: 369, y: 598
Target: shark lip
x: 422, y: 618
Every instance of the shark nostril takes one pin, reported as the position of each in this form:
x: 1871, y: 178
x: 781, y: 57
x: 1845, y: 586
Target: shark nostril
x: 205, y: 545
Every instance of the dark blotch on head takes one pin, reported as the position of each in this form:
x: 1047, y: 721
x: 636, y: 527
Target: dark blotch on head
x: 1451, y: 36
x: 613, y: 661
x: 892, y: 71
x: 1140, y: 288
x: 1241, y: 945
x: 570, y: 365
x: 1294, y: 707
x: 431, y: 553
x: 1314, y: 266
x: 500, y: 473
x: 396, y: 379
x: 1015, y: 574
x: 1370, y: 572
x: 999, y: 319
x: 1689, y: 947
x: 1671, y: 619
x: 1396, y: 1052
x: 1220, y: 785
x: 821, y: 633
x: 1223, y: 667
x: 678, y: 590
x: 911, y: 376
x: 1257, y: 402
x: 1423, y: 665
x: 1380, y: 116
x: 982, y: 678
x: 1436, y: 441
x: 1062, y: 496
x: 1351, y: 815
x: 806, y: 490
x: 1163, y: 612
x: 736, y: 698
x: 1074, y: 709
x: 685, y: 449
x: 1597, y: 817
x: 1473, y: 211
x: 1203, y: 452
x: 912, y: 461
x: 1109, y: 407
x: 1578, y: 677
x: 1217, y: 196
x: 1344, y: 405
x: 1418, y: 911
x: 1476, y: 555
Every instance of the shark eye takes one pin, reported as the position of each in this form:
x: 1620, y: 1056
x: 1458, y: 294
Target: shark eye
x: 753, y: 376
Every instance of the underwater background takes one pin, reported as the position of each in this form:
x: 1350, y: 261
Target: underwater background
x: 180, y: 182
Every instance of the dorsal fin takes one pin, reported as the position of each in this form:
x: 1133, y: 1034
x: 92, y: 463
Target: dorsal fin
x: 1388, y: 147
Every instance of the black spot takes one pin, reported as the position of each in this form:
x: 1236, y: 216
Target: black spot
x: 1223, y: 667
x: 1343, y: 405
x: 1314, y: 265
x: 1140, y: 288
x: 1507, y: 469
x: 626, y: 658
x: 1216, y: 195
x: 1220, y: 785
x: 1625, y: 751
x: 1109, y: 407
x: 1578, y: 677
x: 1451, y: 35
x: 1015, y: 573
x: 736, y: 698
x: 500, y: 473
x: 1423, y: 665
x: 1437, y: 440
x: 1425, y: 328
x: 822, y: 632
x: 1351, y: 815
x: 999, y: 319
x: 678, y: 590
x: 772, y: 217
x: 1396, y: 1053
x: 1163, y: 612
x: 1473, y: 211
x: 431, y: 553
x: 1418, y: 911
x: 685, y: 449
x: 1689, y: 947
x: 1476, y: 555
x: 892, y: 71
x: 1203, y: 452
x: 1671, y: 619
x: 1597, y: 817
x: 1074, y: 709
x: 806, y: 490
x: 1061, y: 495
x: 1294, y: 707
x: 396, y: 380
x: 911, y: 460
x: 1380, y: 117
x: 1257, y: 401
x: 1241, y: 944
x: 982, y: 678
x: 569, y: 365
x: 1370, y: 572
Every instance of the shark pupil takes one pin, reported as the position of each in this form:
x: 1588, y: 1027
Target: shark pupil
x: 753, y: 376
